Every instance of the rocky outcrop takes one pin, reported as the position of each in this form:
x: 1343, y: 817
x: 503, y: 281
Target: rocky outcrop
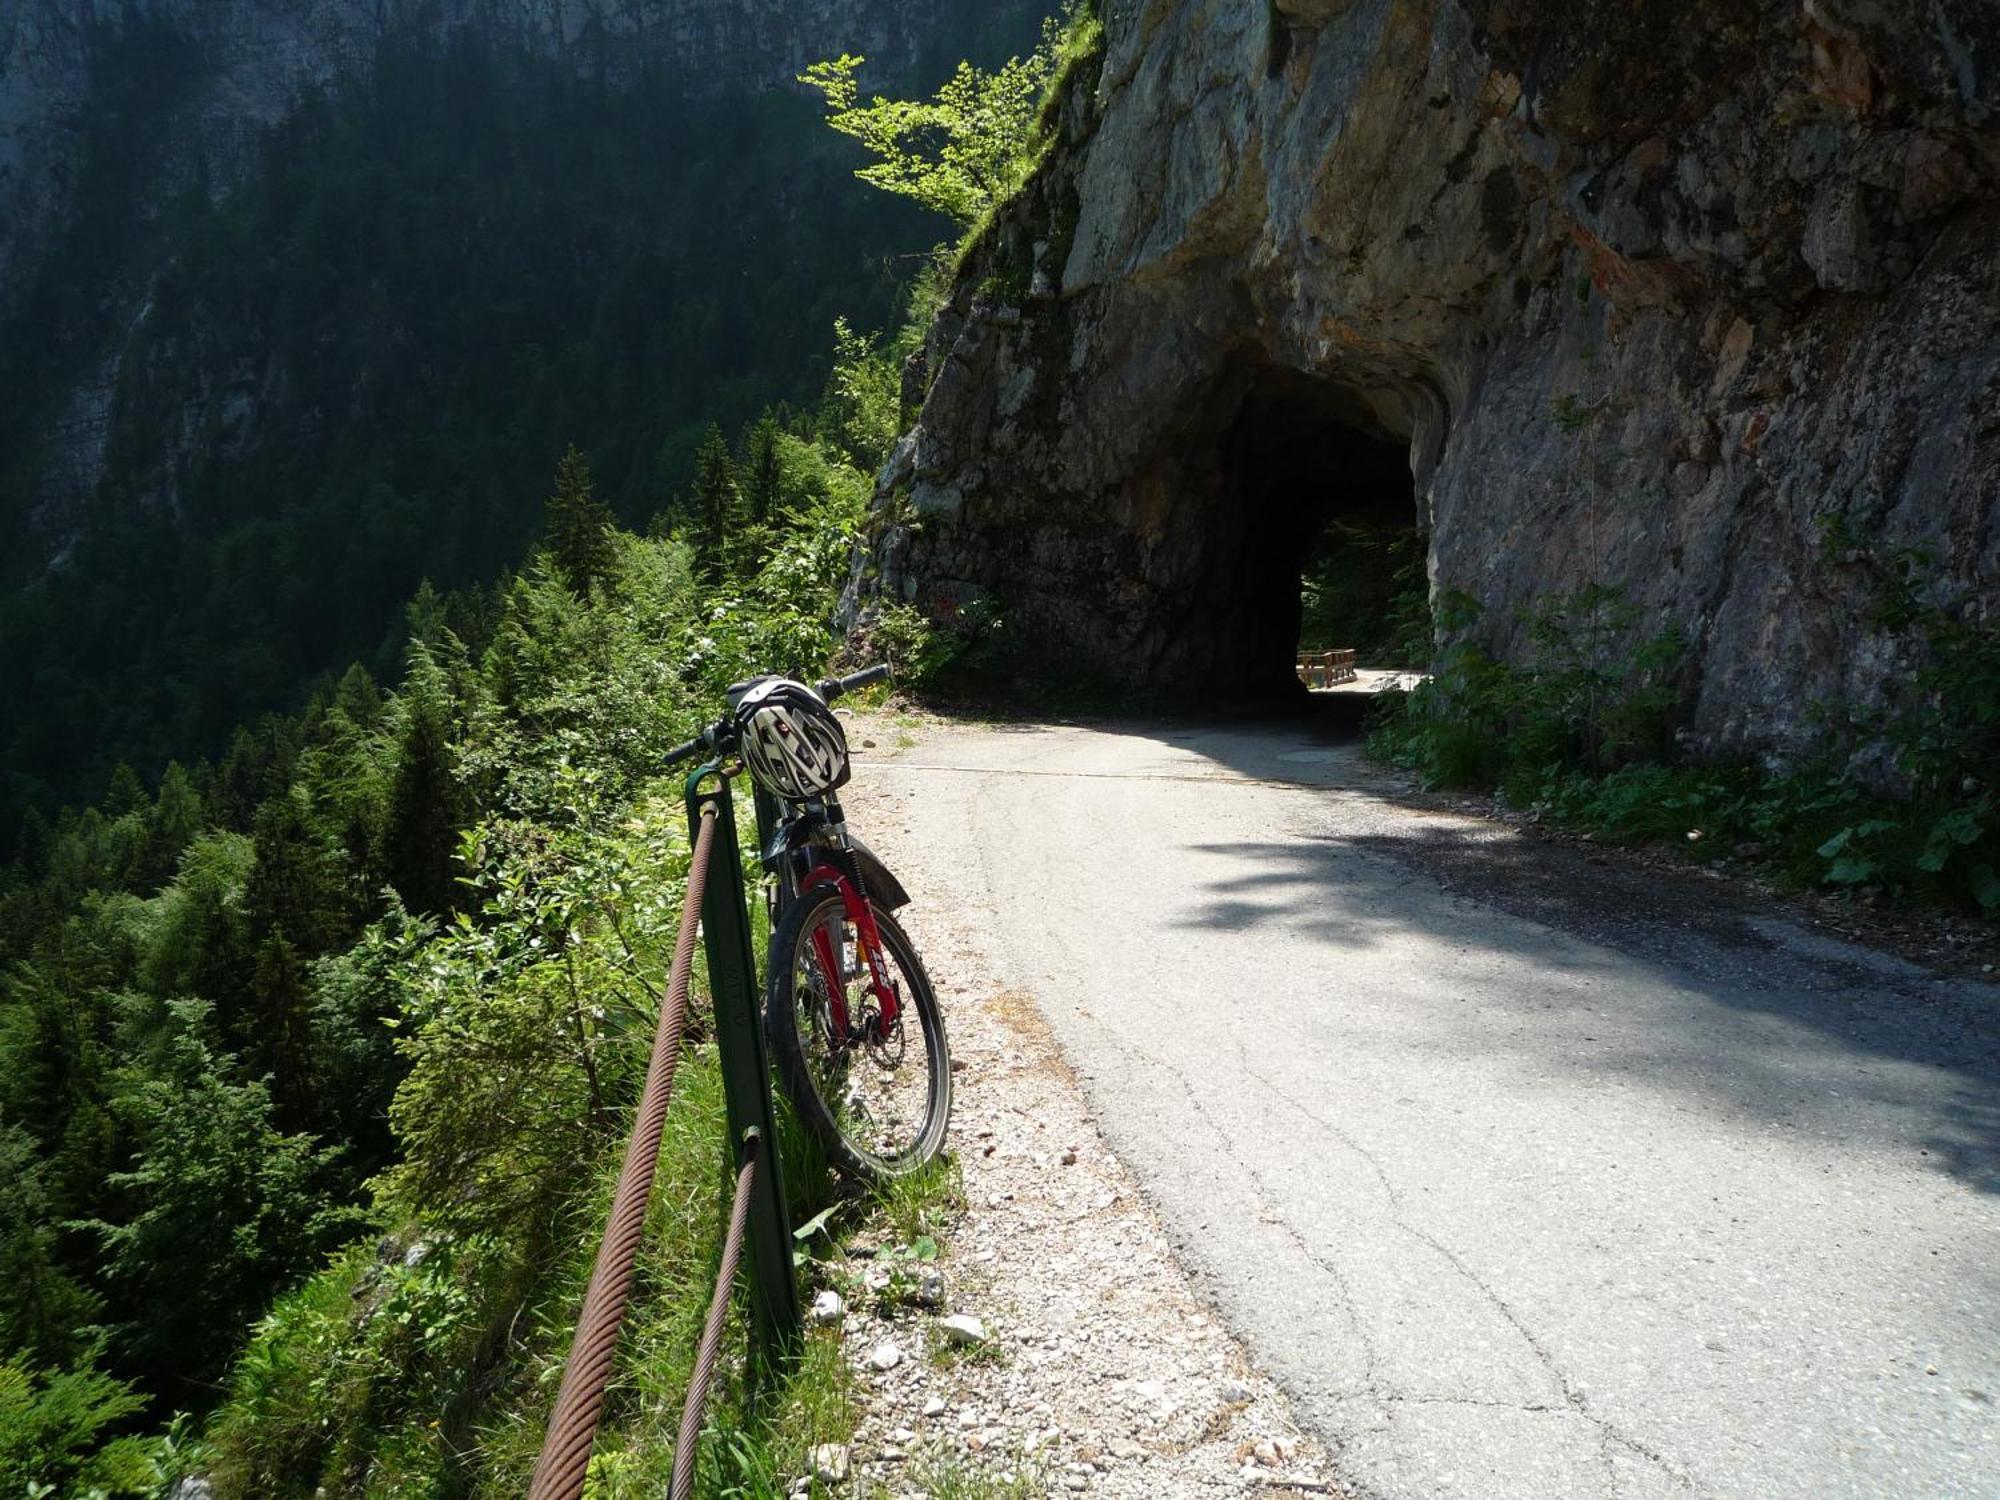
x: 1653, y: 297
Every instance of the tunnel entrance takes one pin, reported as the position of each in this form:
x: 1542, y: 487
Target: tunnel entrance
x: 1327, y: 547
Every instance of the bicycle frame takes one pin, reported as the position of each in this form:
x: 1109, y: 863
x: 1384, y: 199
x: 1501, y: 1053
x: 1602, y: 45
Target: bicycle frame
x: 822, y: 869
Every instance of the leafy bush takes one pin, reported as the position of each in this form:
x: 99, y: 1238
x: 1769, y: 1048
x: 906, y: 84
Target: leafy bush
x: 1578, y: 732
x: 972, y: 144
x: 1584, y: 699
x: 58, y: 1436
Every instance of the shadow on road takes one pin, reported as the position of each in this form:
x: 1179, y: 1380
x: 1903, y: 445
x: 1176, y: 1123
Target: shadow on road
x: 1827, y: 1026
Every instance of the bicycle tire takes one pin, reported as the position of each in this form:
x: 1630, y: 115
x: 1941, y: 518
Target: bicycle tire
x: 803, y: 1083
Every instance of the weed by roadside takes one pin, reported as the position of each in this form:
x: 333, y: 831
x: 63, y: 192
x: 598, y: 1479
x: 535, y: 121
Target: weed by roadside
x: 948, y: 1477
x: 922, y: 1204
x: 1579, y: 734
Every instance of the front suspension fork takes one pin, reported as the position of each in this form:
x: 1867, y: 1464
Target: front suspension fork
x: 868, y: 936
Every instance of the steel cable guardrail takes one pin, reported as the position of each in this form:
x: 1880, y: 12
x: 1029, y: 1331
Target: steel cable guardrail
x: 565, y: 1456
x: 711, y: 1331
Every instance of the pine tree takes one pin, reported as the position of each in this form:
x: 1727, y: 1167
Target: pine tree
x: 763, y: 471
x: 579, y: 529
x: 219, y: 1210
x: 173, y: 823
x: 718, y: 503
x: 281, y: 1050
x: 126, y: 794
x: 421, y: 837
x: 296, y: 887
x: 425, y: 614
x: 357, y: 699
x: 31, y: 848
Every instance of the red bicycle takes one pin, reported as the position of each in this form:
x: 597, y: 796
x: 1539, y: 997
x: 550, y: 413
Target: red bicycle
x: 854, y: 1026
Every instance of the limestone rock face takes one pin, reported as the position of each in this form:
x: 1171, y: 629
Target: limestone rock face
x: 247, y: 60
x: 239, y: 66
x: 1642, y: 296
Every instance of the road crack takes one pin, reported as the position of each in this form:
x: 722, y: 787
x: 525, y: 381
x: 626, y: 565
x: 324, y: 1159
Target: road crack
x: 1574, y: 1400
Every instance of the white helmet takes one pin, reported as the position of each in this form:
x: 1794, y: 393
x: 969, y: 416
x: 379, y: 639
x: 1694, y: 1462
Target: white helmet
x: 790, y: 740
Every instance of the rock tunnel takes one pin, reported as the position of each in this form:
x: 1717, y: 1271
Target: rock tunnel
x: 1295, y: 480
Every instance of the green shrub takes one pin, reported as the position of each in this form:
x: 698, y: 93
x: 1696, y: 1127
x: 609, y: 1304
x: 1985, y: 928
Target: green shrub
x: 59, y: 1436
x: 1578, y: 731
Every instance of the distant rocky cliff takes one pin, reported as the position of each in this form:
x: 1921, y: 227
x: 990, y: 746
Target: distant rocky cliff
x: 1675, y: 299
x: 81, y: 86
x: 248, y: 58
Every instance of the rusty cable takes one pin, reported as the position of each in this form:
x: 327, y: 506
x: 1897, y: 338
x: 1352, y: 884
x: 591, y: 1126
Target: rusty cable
x: 565, y: 1456
x: 711, y: 1331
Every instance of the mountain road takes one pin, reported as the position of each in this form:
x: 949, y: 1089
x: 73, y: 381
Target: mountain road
x: 1523, y: 1170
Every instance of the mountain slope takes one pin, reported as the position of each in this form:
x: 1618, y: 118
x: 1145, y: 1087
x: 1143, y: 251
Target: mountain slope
x: 297, y: 309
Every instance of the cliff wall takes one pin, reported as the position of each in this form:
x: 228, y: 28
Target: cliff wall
x: 1660, y: 298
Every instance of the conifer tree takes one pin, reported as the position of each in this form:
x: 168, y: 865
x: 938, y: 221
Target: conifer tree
x: 579, y: 528
x: 357, y: 699
x: 126, y: 794
x: 421, y: 836
x: 718, y: 502
x: 281, y: 1050
x: 31, y: 847
x: 295, y: 889
x: 172, y: 824
x: 425, y: 615
x: 763, y: 472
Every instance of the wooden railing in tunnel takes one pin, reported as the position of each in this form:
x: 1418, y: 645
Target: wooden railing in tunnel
x: 1322, y: 669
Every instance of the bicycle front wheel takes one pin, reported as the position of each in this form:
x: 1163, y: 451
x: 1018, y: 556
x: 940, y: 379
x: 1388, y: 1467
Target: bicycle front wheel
x: 877, y: 1096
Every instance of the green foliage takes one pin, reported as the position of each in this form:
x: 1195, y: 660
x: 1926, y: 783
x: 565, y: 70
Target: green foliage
x: 918, y: 1205
x: 424, y: 812
x: 1586, y: 697
x: 717, y: 503
x: 578, y: 530
x: 959, y: 152
x: 969, y: 641
x: 1578, y: 732
x: 1368, y: 590
x: 973, y: 144
x: 59, y: 1436
x: 863, y: 407
x: 222, y: 1207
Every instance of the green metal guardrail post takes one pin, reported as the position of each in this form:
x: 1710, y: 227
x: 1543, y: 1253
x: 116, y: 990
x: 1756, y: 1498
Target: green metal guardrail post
x: 746, y: 1072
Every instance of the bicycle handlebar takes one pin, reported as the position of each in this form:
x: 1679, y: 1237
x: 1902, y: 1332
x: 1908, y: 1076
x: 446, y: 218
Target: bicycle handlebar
x: 716, y: 735
x: 687, y: 749
x: 831, y: 688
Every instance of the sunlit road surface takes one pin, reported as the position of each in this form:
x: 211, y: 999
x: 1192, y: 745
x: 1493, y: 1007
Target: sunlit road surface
x: 1525, y: 1175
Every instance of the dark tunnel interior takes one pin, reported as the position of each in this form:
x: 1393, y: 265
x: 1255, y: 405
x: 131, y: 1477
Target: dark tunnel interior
x: 1316, y: 543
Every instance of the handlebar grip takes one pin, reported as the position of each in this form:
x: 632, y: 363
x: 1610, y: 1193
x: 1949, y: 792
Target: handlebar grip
x: 833, y: 687
x: 707, y: 741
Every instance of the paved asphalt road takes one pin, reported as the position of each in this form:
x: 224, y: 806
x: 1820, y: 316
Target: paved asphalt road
x: 1525, y: 1175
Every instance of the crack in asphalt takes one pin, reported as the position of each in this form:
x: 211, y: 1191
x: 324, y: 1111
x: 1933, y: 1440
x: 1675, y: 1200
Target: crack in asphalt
x: 1574, y: 1403
x: 1574, y: 1400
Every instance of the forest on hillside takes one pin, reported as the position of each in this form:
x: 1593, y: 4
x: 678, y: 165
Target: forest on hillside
x: 314, y: 1056
x: 353, y: 370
